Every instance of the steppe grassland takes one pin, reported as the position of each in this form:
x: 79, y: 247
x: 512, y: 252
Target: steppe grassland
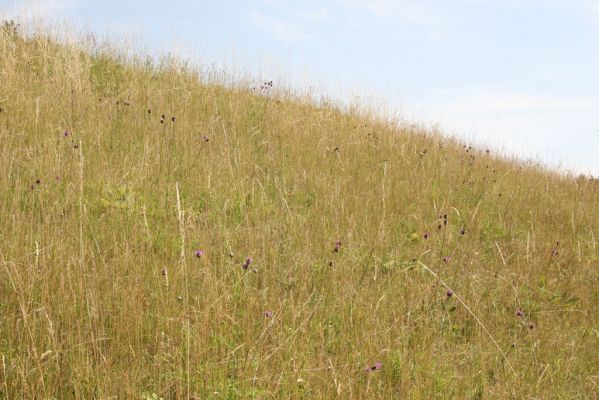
x: 386, y: 260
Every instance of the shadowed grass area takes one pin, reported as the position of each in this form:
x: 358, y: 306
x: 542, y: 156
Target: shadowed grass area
x: 114, y: 173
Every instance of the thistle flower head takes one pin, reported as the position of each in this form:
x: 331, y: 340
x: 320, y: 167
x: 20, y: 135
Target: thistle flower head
x: 377, y: 366
x: 337, y: 246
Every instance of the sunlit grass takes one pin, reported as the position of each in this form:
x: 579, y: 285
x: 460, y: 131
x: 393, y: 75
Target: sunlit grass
x: 341, y: 256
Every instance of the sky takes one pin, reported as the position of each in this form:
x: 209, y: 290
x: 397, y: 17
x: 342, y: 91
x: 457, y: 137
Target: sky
x: 521, y: 76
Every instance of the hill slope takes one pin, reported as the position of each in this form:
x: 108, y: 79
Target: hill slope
x: 346, y: 220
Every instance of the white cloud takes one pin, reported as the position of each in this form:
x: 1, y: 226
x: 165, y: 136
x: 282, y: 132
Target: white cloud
x: 37, y: 10
x: 491, y: 103
x: 282, y: 30
x: 585, y: 10
x: 315, y: 15
x: 432, y: 18
x: 591, y: 12
x: 414, y: 12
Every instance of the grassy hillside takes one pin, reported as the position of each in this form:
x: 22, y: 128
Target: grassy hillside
x: 385, y: 262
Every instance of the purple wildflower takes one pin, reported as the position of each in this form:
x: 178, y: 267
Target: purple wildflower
x: 519, y: 313
x: 66, y: 133
x: 337, y: 246
x: 425, y: 236
x: 268, y: 314
x: 554, y: 251
x: 199, y: 253
x: 377, y: 366
x: 449, y: 293
x: 247, y: 263
x: 446, y: 259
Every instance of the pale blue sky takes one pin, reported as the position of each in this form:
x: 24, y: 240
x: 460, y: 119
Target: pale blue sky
x: 519, y: 74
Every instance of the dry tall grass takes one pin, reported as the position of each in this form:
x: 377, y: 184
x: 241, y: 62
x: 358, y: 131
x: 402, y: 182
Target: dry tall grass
x: 104, y: 202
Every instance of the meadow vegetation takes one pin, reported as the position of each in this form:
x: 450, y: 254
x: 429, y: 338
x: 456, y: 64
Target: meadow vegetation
x: 165, y: 236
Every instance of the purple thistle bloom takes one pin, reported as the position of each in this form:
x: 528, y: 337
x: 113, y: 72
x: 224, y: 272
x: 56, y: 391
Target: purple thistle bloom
x: 519, y: 313
x: 554, y: 251
x: 337, y: 246
x: 377, y: 366
x: 425, y: 236
x: 449, y: 292
x: 268, y: 314
x: 66, y: 133
x: 199, y: 253
x: 247, y: 263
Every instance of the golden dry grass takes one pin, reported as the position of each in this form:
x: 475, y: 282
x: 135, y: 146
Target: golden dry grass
x: 103, y: 206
